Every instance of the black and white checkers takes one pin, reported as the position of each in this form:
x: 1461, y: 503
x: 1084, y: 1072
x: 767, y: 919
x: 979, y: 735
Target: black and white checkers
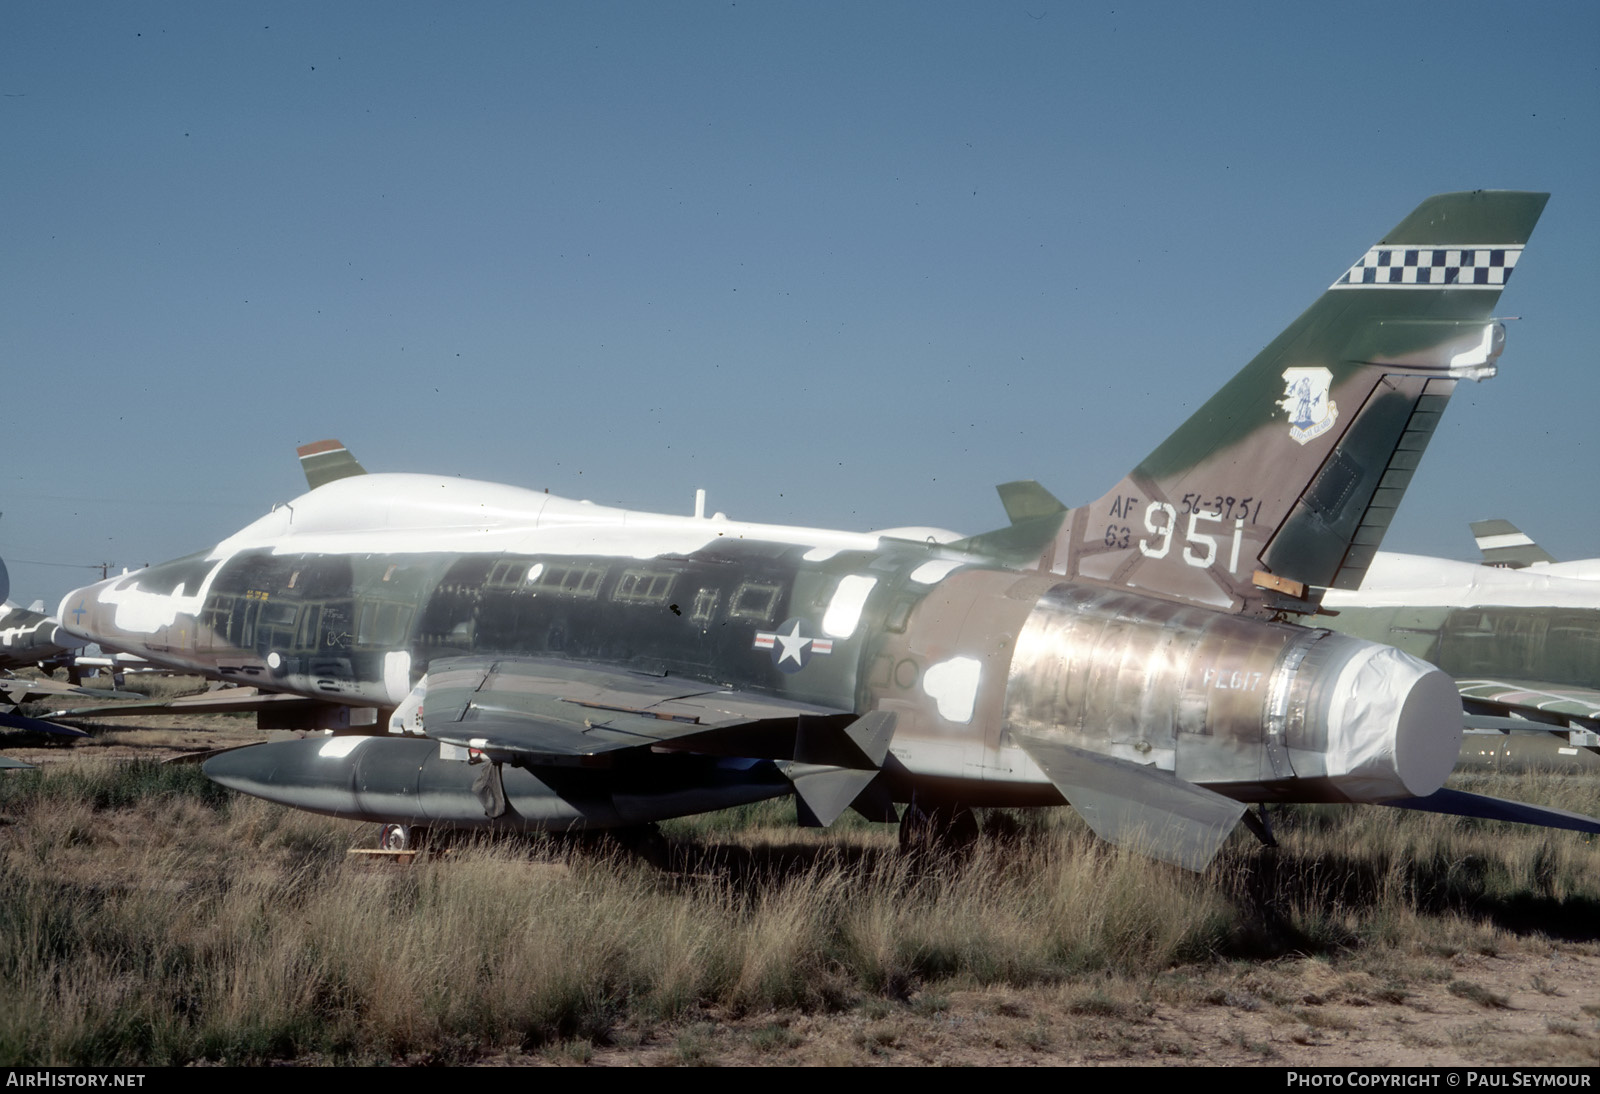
x: 1487, y: 267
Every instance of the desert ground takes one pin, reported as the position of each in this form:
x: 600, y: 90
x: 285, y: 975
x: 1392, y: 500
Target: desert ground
x: 153, y: 918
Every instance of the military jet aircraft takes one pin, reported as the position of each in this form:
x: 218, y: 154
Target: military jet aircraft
x: 1504, y: 544
x: 1520, y: 634
x: 494, y: 657
x: 27, y: 635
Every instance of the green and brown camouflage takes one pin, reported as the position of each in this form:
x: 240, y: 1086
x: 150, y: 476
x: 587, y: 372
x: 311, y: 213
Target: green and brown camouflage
x: 1240, y: 489
x: 497, y: 657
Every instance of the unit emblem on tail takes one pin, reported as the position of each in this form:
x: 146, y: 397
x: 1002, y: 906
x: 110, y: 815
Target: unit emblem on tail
x: 1311, y: 412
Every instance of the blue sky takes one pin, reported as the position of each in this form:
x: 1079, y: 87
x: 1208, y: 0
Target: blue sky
x: 845, y: 265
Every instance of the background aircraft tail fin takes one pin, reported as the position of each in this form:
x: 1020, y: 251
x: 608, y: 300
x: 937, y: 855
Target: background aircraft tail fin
x: 1288, y: 476
x: 325, y: 461
x: 1504, y: 544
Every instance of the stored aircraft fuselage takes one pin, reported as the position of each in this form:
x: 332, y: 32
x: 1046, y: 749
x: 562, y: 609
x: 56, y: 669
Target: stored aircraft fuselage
x: 350, y: 592
x: 508, y: 658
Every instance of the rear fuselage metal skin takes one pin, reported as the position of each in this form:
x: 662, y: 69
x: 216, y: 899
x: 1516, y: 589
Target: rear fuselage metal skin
x: 961, y: 651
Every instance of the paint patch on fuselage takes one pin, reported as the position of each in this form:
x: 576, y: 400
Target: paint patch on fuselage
x: 953, y: 686
x: 935, y: 571
x: 141, y: 612
x: 844, y: 610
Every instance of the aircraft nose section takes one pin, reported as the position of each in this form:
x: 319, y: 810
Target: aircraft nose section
x: 1394, y: 726
x: 81, y: 612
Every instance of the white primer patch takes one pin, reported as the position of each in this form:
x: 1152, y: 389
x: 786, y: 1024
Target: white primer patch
x: 953, y: 685
x: 397, y: 674
x: 339, y: 747
x: 844, y: 610
x: 931, y: 573
x: 139, y: 612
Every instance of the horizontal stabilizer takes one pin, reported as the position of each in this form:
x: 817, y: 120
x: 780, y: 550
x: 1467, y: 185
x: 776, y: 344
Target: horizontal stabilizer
x: 1138, y: 807
x: 1459, y: 803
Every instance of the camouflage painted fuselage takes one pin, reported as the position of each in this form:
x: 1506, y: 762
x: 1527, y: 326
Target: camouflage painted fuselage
x: 28, y: 638
x: 349, y: 593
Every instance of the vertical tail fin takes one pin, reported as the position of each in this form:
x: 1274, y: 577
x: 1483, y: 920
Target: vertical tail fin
x: 1288, y: 477
x: 326, y: 461
x: 1504, y: 544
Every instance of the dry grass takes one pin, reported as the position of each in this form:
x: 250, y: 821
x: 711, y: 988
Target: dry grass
x: 148, y: 917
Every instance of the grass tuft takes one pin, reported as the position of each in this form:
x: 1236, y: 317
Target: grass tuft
x: 148, y: 917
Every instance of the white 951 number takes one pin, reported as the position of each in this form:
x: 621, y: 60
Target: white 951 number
x: 1199, y: 548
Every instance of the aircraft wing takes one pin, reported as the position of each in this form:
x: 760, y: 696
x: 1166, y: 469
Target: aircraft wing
x: 1513, y: 706
x: 551, y: 712
x: 244, y: 700
x: 10, y: 719
x: 16, y: 690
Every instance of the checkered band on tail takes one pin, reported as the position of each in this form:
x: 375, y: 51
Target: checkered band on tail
x: 1486, y: 267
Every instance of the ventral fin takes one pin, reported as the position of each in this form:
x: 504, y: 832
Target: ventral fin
x: 1138, y: 807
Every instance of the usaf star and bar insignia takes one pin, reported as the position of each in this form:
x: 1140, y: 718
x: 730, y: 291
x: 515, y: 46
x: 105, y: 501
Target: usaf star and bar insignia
x: 791, y: 645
